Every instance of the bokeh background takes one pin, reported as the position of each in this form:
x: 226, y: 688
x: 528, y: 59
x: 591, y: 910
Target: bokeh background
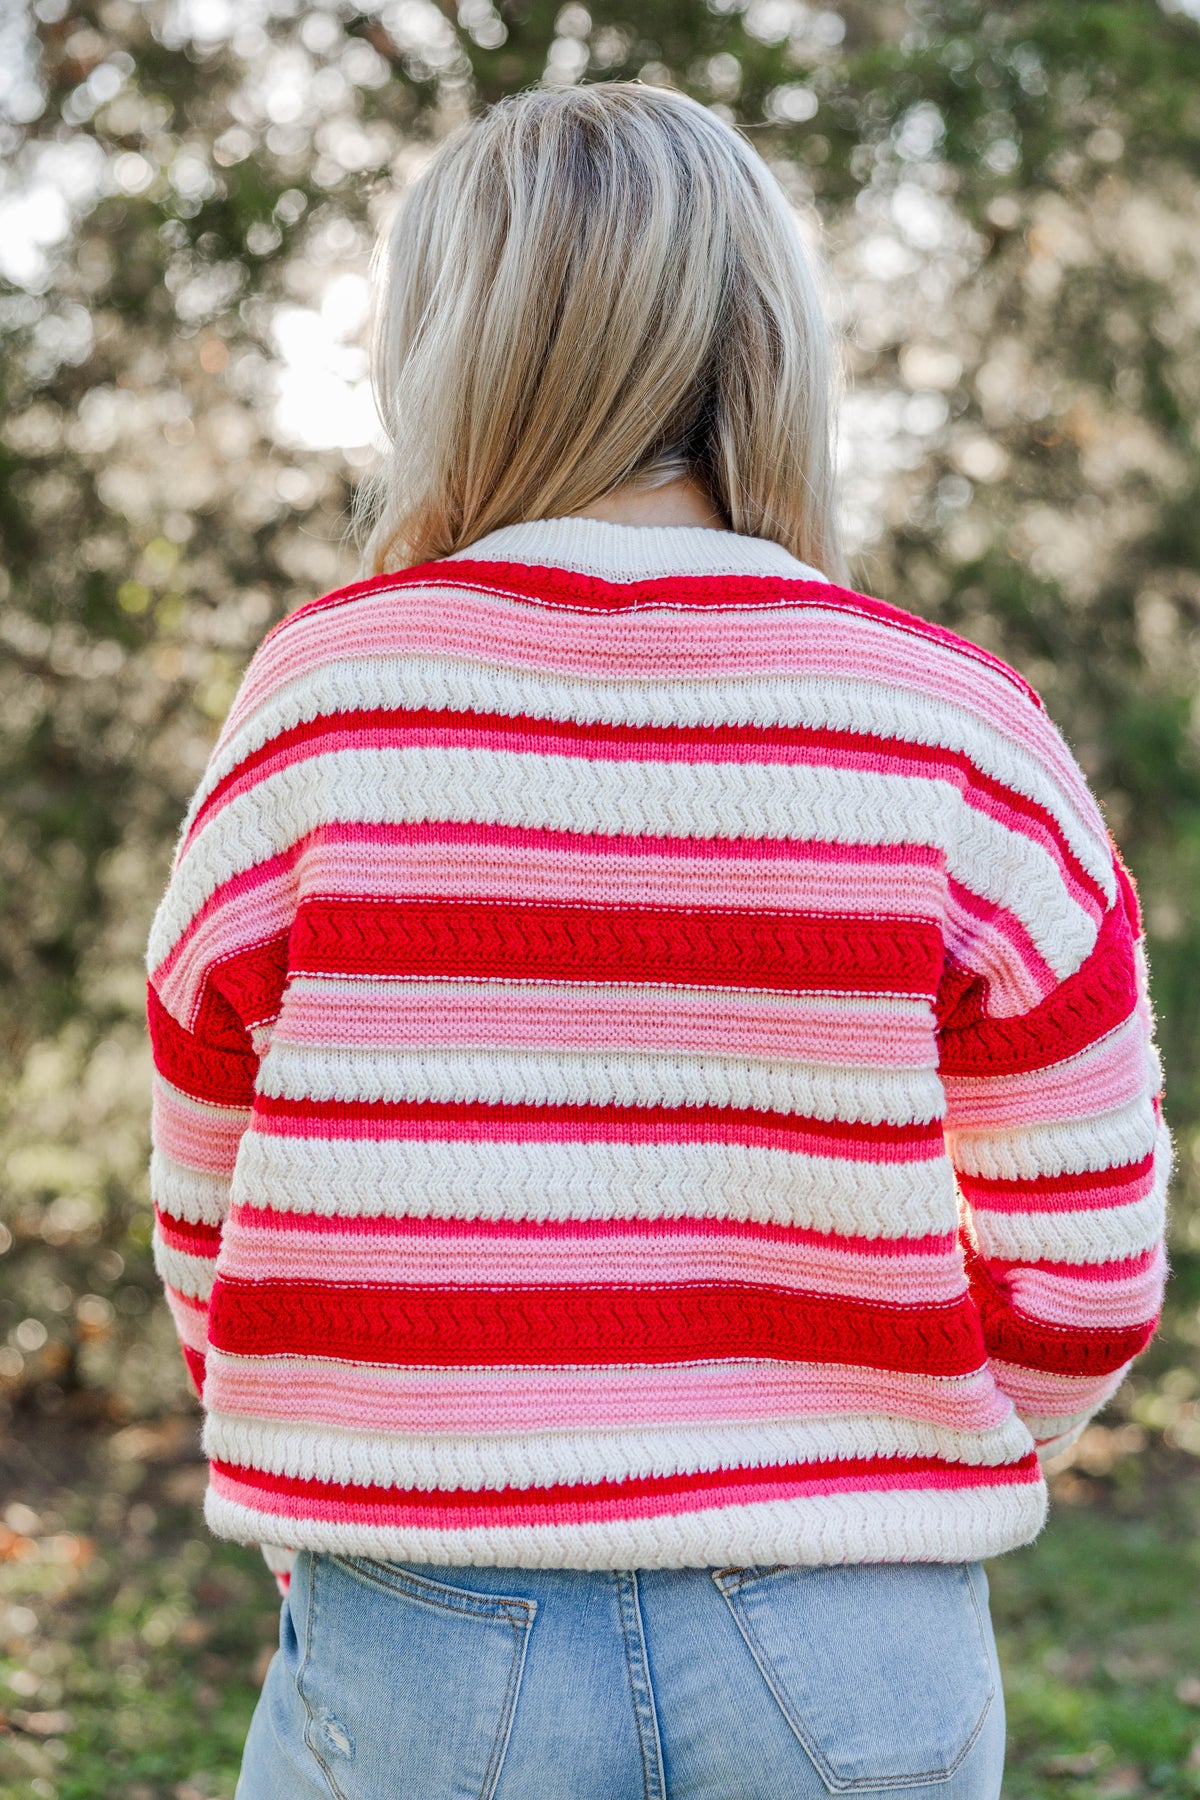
x: 1008, y: 198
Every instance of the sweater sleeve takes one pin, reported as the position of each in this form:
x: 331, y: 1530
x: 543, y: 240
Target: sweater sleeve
x: 1054, y: 1119
x: 216, y: 963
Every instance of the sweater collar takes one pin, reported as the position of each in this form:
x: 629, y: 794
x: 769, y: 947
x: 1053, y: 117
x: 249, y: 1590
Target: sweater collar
x: 635, y: 552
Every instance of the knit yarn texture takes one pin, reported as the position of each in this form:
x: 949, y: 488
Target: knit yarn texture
x: 654, y: 1068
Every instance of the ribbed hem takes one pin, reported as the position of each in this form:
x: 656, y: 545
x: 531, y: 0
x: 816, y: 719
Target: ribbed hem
x: 906, y: 1525
x: 635, y: 552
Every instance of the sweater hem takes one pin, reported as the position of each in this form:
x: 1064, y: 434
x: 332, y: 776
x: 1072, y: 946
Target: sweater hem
x: 914, y: 1525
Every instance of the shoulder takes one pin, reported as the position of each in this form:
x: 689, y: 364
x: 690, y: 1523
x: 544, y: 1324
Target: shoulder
x: 941, y: 646
x: 1015, y: 764
x: 303, y: 619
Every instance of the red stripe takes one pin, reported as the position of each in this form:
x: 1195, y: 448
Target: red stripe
x: 568, y: 588
x: 188, y: 1234
x: 1031, y: 1193
x: 501, y: 1500
x: 1053, y: 1349
x: 207, y: 1069
x: 585, y: 1325
x: 778, y: 951
x: 499, y: 1121
x: 195, y: 1368
x: 1123, y: 1268
x: 1083, y: 1008
x: 251, y: 983
x: 1016, y: 1337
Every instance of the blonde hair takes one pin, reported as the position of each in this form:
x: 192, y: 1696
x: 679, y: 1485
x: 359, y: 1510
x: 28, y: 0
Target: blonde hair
x: 587, y: 287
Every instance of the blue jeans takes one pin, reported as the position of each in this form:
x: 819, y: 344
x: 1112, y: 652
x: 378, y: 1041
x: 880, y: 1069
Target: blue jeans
x: 404, y: 1681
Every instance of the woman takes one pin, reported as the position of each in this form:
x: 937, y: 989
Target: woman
x: 657, y: 1129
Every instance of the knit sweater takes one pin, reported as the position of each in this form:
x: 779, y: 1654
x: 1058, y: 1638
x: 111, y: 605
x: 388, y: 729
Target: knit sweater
x: 654, y: 1068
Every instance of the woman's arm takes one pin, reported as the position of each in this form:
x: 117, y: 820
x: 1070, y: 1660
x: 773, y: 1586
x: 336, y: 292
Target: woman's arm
x: 217, y: 964
x: 1055, y: 1129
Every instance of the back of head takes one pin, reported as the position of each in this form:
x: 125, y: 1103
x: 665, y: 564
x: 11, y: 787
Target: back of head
x: 589, y: 287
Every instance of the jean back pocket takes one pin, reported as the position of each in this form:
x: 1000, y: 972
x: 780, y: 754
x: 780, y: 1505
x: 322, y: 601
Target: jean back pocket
x: 409, y: 1683
x: 884, y: 1671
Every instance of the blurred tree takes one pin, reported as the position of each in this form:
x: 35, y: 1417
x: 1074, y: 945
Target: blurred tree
x: 1011, y: 203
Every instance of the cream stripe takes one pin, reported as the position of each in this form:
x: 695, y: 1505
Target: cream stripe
x: 187, y: 1193
x: 920, y: 1525
x: 601, y: 1078
x: 1072, y: 1146
x: 1078, y: 1237
x: 188, y: 1274
x: 479, y: 1180
x: 398, y: 1460
x: 621, y: 553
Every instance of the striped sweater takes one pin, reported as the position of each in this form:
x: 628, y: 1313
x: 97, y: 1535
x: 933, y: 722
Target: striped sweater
x: 654, y: 1068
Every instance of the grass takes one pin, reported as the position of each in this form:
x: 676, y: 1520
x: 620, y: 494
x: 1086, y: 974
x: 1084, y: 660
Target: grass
x: 132, y: 1643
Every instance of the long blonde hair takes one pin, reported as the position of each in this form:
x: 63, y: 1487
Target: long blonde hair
x: 587, y: 287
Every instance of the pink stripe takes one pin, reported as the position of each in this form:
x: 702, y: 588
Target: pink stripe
x: 1101, y: 1080
x: 815, y: 877
x: 1077, y: 1300
x: 263, y: 1497
x: 190, y: 1316
x: 993, y: 943
x: 1054, y: 1396
x: 473, y: 1401
x: 272, y: 1252
x: 592, y: 1128
x: 1088, y: 1195
x: 862, y: 1033
x: 583, y: 1230
x: 200, y: 1137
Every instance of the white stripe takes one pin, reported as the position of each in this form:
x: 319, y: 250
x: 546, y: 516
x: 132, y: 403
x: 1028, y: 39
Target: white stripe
x: 1102, y: 1235
x: 468, y: 1179
x: 600, y: 1078
x: 186, y: 1193
x: 188, y: 1274
x: 560, y: 793
x: 904, y: 1525
x: 473, y: 1463
x: 1071, y: 1146
x: 837, y: 703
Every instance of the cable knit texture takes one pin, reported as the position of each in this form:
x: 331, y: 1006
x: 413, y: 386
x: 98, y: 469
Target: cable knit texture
x: 654, y: 1067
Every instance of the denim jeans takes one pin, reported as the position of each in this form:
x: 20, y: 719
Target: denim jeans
x: 405, y: 1681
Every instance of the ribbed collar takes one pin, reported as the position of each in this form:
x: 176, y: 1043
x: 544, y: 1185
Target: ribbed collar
x: 634, y: 552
